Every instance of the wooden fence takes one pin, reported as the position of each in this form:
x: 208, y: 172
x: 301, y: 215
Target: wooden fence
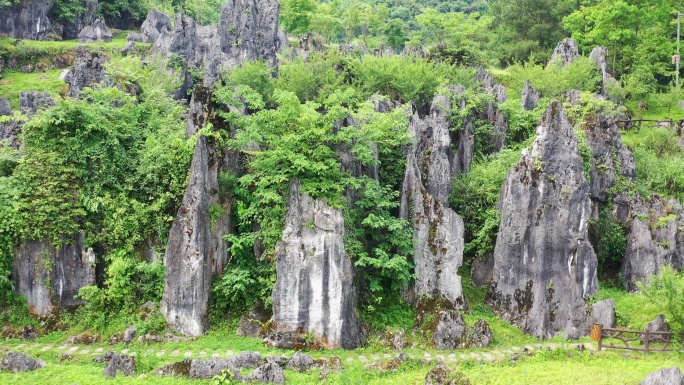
x: 671, y: 124
x: 648, y: 341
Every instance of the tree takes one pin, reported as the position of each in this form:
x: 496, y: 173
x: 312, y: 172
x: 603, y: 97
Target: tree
x: 296, y: 15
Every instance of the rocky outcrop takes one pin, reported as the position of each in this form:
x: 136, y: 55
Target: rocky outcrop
x: 314, y: 290
x: 17, y: 363
x: 530, y: 97
x: 152, y: 28
x: 94, y: 32
x: 603, y: 313
x: 300, y: 362
x: 655, y: 235
x: 247, y: 30
x: 32, y: 101
x: 479, y: 336
x: 611, y: 159
x: 269, y: 373
x: 88, y: 71
x: 26, y: 19
x: 442, y: 375
x: 599, y: 55
x: 207, y: 369
x: 5, y: 107
x: 657, y: 325
x: 565, y: 53
x: 50, y: 277
x: 496, y: 117
x: 437, y: 230
x: 481, y: 269
x: 119, y: 363
x: 465, y: 137
x: 188, y: 271
x: 665, y: 376
x: 448, y: 333
x: 544, y: 266
x: 29, y: 104
x: 252, y: 324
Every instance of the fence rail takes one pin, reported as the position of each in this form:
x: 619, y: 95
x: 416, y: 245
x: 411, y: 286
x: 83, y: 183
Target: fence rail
x: 662, y: 340
x: 630, y: 124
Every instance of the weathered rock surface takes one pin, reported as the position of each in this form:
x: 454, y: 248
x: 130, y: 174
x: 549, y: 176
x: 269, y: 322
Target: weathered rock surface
x: 119, y: 363
x: 18, y: 362
x: 655, y: 235
x: 565, y: 53
x: 599, y: 55
x: 206, y: 369
x: 496, y: 117
x: 530, y: 96
x: 26, y: 19
x: 437, y: 230
x: 481, y: 270
x: 573, y: 97
x: 268, y: 373
x: 485, y: 78
x: 300, y: 362
x: 46, y: 289
x: 94, y: 32
x: 88, y: 71
x: 681, y: 143
x: 479, y: 336
x: 5, y: 107
x: 129, y: 334
x: 665, y: 376
x: 252, y: 324
x: 611, y: 159
x: 314, y: 289
x: 247, y: 30
x: 154, y: 25
x: 657, y: 325
x: 32, y: 101
x: 442, y: 375
x: 465, y: 137
x: 188, y: 271
x: 544, y: 266
x: 84, y: 338
x: 603, y: 313
x: 448, y: 333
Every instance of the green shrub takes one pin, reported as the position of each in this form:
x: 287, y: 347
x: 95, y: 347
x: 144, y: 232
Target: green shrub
x: 609, y: 240
x: 665, y: 292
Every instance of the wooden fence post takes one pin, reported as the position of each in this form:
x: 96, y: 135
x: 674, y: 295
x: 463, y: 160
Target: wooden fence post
x: 648, y: 337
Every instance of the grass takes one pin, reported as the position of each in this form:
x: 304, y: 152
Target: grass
x: 13, y: 83
x: 632, y: 310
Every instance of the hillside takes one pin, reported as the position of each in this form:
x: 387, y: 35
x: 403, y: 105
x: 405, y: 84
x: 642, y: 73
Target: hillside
x: 390, y: 187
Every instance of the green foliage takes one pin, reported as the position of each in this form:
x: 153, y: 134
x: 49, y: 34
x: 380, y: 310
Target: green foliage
x: 313, y: 79
x: 256, y: 75
x: 204, y: 12
x: 665, y: 292
x: 295, y: 15
x: 609, y: 240
x: 475, y: 195
x: 66, y: 11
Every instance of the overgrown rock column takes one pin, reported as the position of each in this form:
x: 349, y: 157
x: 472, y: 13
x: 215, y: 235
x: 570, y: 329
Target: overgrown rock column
x: 188, y: 271
x: 437, y: 230
x: 544, y: 266
x: 314, y: 291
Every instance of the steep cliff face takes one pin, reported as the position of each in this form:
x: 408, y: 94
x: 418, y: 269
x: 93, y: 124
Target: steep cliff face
x: 50, y: 277
x: 188, y: 271
x: 438, y: 230
x: 27, y: 19
x: 247, y: 30
x: 544, y: 266
x: 314, y: 290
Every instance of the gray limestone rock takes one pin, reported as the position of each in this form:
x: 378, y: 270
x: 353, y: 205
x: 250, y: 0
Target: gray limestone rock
x: 530, y: 96
x: 603, y: 313
x: 565, y: 53
x: 94, y: 32
x: 188, y: 271
x: 657, y: 325
x: 481, y: 269
x: 479, y: 336
x: 18, y: 362
x: 611, y: 159
x: 87, y: 72
x: 449, y: 331
x: 208, y: 368
x: 31, y: 102
x: 497, y: 118
x: 544, y: 266
x: 314, y: 289
x: 465, y: 137
x: 129, y: 334
x: 5, y: 107
x: 655, y: 235
x: 268, y: 373
x: 119, y: 363
x: 252, y: 324
x: 573, y: 97
x: 300, y: 362
x: 438, y: 230
x: 26, y: 19
x: 416, y: 51
x: 129, y: 49
x: 681, y: 143
x: 485, y: 78
x: 50, y: 278
x: 247, y: 30
x: 442, y: 375
x: 665, y: 376
x: 154, y: 25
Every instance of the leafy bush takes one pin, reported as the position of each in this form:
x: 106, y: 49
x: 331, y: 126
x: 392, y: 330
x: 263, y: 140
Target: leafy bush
x: 609, y: 240
x: 665, y: 292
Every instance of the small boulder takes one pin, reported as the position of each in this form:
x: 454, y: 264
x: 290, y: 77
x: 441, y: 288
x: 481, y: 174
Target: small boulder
x: 399, y: 341
x: 480, y: 335
x: 129, y: 49
x: 206, y: 369
x: 665, y: 376
x: 530, y: 97
x: 481, y: 269
x: 84, y: 338
x: 278, y: 360
x: 269, y: 373
x: 29, y: 333
x: 17, y: 362
x: 246, y: 360
x: 251, y: 325
x: 657, y: 325
x: 129, y: 334
x: 442, y: 375
x: 448, y: 333
x: 603, y: 313
x: 97, y: 31
x: 5, y: 108
x: 300, y: 362
x: 119, y: 363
